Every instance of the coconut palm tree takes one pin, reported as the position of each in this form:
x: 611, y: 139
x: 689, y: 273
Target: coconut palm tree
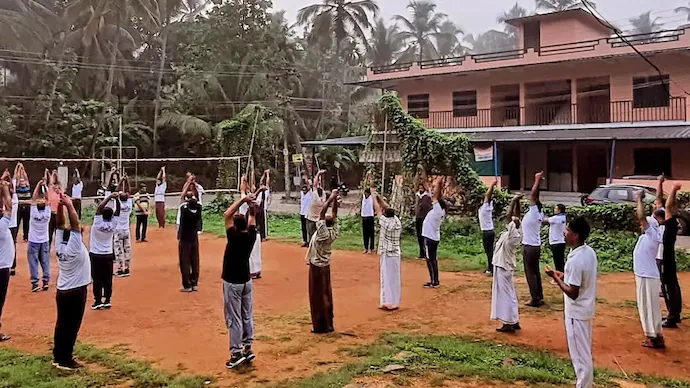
x: 561, y: 5
x: 517, y: 11
x: 489, y: 42
x: 645, y: 24
x: 447, y: 43
x: 339, y: 19
x: 385, y: 44
x: 422, y: 27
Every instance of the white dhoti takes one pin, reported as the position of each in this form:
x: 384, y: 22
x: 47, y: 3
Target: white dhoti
x: 648, y: 305
x: 390, y: 280
x: 504, y: 302
x: 255, y: 257
x: 579, y: 335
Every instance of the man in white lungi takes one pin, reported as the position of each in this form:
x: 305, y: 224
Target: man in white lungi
x: 647, y: 277
x: 579, y: 286
x: 504, y: 302
x: 389, y: 253
x: 255, y: 256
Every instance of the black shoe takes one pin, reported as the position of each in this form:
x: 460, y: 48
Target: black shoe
x: 195, y: 288
x: 71, y: 365
x: 35, y: 288
x: 45, y: 287
x: 534, y: 303
x: 235, y: 361
x: 669, y: 323
x: 125, y: 273
x: 97, y: 306
x: 517, y: 326
x: 119, y: 273
x: 436, y: 285
x: 428, y: 285
x: 13, y: 272
x: 305, y: 245
x: 144, y: 240
x: 248, y: 354
x: 506, y: 329
x: 107, y: 305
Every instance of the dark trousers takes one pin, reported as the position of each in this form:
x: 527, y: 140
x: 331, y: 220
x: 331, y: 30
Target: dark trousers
x: 102, y: 275
x: 189, y: 262
x: 261, y: 223
x: 23, y: 216
x: 558, y: 252
x: 77, y: 206
x: 303, y: 221
x: 142, y: 225
x: 70, y: 311
x: 51, y: 229
x: 420, y: 240
x: 14, y: 231
x: 671, y: 290
x: 321, y: 299
x: 488, y: 238
x: 368, y: 232
x: 4, y: 284
x: 532, y: 274
x: 432, y: 260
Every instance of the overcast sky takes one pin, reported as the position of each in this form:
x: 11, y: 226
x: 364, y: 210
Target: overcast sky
x: 476, y: 16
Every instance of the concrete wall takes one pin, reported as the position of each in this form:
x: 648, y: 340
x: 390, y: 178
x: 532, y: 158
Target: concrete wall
x: 680, y: 157
x: 560, y: 31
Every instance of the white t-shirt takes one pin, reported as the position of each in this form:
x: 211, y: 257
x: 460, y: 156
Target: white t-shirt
x: 159, y: 192
x: 38, y: 224
x: 581, y: 271
x: 101, y: 242
x: 76, y: 191
x: 73, y: 261
x: 304, y: 201
x: 367, y: 206
x: 431, y: 227
x: 660, y: 252
x: 644, y: 255
x: 15, y: 209
x: 557, y: 225
x: 315, y: 206
x: 6, y: 244
x: 201, y: 191
x: 486, y: 216
x: 531, y: 224
x: 122, y: 221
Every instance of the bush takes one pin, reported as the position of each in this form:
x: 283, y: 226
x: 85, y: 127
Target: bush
x: 219, y: 204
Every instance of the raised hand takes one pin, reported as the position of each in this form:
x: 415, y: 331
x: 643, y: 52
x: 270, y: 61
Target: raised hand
x: 539, y: 176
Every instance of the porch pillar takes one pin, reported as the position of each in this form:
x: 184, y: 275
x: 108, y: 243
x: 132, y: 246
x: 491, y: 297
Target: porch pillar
x: 574, y: 177
x: 613, y: 161
x: 523, y: 106
x: 573, y: 100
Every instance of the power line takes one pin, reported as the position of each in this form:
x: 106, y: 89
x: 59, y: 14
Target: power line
x: 602, y: 20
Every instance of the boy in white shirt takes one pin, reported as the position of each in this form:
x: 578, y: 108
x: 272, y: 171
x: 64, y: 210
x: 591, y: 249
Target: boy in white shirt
x: 304, y: 203
x: 159, y: 197
x: 7, y: 249
x: 39, y: 240
x: 123, y: 242
x: 531, y: 242
x: 367, y: 214
x: 557, y: 225
x: 431, y: 231
x: 486, y: 224
x: 101, y: 251
x: 579, y: 286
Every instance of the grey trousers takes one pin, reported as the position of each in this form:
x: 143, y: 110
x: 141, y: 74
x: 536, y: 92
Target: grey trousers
x: 239, y: 315
x: 311, y: 229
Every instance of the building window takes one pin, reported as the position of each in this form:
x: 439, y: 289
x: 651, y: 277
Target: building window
x: 532, y: 35
x: 651, y: 92
x: 652, y: 161
x: 465, y: 103
x: 418, y: 105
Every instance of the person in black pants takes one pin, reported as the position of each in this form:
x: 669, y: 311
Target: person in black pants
x: 431, y: 230
x: 304, y: 202
x: 73, y: 279
x: 188, y: 246
x: 423, y: 205
x: 669, y: 276
x: 23, y: 191
x: 102, y: 253
x: 141, y: 211
x: 557, y: 225
x: 367, y: 214
x: 531, y: 242
x: 486, y: 224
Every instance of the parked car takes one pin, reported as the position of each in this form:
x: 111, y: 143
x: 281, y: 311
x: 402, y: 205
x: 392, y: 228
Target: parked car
x: 625, y: 193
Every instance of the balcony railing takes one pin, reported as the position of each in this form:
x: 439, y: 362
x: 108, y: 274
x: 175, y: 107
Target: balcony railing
x: 674, y: 109
x: 604, y: 47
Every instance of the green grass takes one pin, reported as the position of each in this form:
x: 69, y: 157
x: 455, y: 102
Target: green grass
x: 104, y: 368
x: 444, y: 358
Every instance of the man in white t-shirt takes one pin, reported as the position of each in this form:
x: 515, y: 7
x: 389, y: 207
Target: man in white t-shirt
x: 262, y: 202
x: 159, y: 197
x: 122, y: 245
x: 38, y: 250
x: 77, y: 188
x: 14, y: 220
x: 647, y: 277
x: 304, y: 203
x: 531, y: 244
x: 7, y: 249
x: 315, y: 205
x: 431, y: 231
x: 74, y: 277
x: 579, y: 286
x: 367, y: 214
x: 101, y: 251
x: 486, y: 224
x: 557, y: 226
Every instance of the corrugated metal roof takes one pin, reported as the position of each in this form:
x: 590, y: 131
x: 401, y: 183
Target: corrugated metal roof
x: 528, y: 134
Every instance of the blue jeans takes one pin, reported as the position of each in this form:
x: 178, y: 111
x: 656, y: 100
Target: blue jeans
x: 39, y: 253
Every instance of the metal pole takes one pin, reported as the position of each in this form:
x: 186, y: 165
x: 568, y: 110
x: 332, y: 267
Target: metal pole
x: 495, y: 159
x: 251, y: 145
x: 613, y: 160
x: 383, y: 156
x: 119, y: 154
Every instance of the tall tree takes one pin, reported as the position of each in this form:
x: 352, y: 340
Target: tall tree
x: 685, y: 10
x: 422, y: 28
x: 645, y: 24
x: 517, y: 11
x: 490, y: 42
x: 385, y: 44
x: 339, y: 18
x: 448, y: 44
x: 561, y: 5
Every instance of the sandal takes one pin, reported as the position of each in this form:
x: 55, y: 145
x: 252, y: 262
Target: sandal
x: 4, y: 337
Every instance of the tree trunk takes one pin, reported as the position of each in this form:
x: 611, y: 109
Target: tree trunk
x: 53, y: 88
x: 113, y: 61
x: 286, y: 162
x: 159, y: 86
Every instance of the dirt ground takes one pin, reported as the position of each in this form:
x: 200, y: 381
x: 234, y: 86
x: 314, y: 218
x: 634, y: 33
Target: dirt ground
x: 186, y: 332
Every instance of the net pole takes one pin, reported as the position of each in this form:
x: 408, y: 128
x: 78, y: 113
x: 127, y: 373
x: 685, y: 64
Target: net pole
x: 251, y: 145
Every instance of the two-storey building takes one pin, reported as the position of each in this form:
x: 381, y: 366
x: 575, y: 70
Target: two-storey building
x: 574, y: 100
